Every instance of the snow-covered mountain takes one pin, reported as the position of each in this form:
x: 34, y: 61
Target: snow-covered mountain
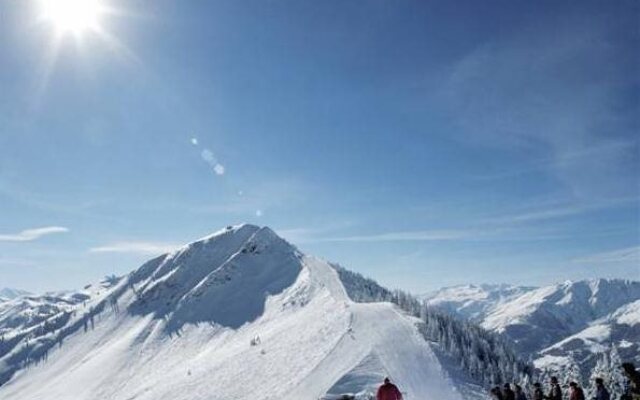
x: 620, y: 328
x: 571, y: 322
x: 27, y: 312
x: 9, y: 294
x: 474, y: 302
x: 241, y: 314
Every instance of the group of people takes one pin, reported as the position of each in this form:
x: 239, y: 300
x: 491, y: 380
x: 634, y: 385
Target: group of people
x: 389, y: 391
x: 507, y: 393
x: 515, y: 392
x: 554, y: 393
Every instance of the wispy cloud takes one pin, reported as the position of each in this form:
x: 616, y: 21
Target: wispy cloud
x: 552, y: 93
x: 136, y: 247
x: 409, y: 236
x: 16, y: 262
x: 72, y: 205
x: 629, y: 255
x: 563, y: 210
x: 499, y: 233
x: 571, y: 157
x: 311, y: 234
x: 28, y: 235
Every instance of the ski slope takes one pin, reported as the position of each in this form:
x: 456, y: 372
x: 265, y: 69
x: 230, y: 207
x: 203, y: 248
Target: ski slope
x: 305, y: 340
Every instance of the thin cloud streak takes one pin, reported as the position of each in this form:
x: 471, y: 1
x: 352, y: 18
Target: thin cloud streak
x: 564, y: 211
x: 28, y: 235
x: 136, y: 247
x: 629, y: 255
x: 411, y: 236
x: 471, y: 234
x: 561, y: 161
x: 16, y: 262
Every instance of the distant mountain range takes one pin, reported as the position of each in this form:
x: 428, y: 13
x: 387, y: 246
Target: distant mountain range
x: 556, y: 324
x: 9, y: 294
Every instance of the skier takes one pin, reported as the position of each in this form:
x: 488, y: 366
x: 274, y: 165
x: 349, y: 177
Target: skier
x: 507, y: 393
x: 632, y: 391
x: 575, y: 392
x: 537, y: 391
x: 388, y: 391
x: 601, y: 392
x: 556, y: 391
x: 519, y: 393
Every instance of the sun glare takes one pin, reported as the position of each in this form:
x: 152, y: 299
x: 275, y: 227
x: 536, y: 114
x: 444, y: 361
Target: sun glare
x: 75, y: 16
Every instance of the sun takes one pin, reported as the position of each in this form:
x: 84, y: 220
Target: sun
x: 72, y: 16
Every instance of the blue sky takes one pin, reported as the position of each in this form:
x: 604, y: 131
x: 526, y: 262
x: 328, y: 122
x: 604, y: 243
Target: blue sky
x: 424, y: 143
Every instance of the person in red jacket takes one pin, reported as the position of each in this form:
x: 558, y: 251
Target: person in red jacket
x: 575, y: 391
x: 388, y: 391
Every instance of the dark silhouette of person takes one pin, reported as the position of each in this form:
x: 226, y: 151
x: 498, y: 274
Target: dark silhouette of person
x: 601, y: 392
x: 496, y: 394
x: 520, y: 395
x: 507, y: 393
x: 537, y: 391
x: 632, y: 391
x: 556, y: 391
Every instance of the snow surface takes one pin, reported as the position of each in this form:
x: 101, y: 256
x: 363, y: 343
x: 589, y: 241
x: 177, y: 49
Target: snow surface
x: 628, y: 314
x: 237, y: 315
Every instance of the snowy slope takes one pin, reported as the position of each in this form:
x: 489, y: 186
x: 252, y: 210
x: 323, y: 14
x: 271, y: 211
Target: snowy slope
x: 238, y: 315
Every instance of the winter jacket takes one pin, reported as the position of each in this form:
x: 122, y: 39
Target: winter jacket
x: 537, y: 394
x: 389, y: 391
x: 633, y: 391
x: 521, y: 396
x: 576, y: 394
x: 602, y: 394
x: 507, y: 394
x: 496, y: 394
x: 555, y: 393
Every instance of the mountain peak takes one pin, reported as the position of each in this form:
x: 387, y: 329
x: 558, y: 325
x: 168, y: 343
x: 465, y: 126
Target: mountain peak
x: 228, y: 230
x: 237, y: 267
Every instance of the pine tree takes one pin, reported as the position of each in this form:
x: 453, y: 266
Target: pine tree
x: 616, y: 376
x: 600, y: 370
